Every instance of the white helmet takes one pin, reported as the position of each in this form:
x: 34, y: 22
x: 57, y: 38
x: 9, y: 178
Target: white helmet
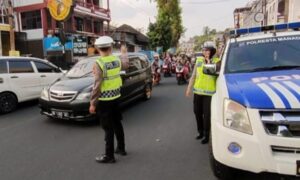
x: 104, y: 41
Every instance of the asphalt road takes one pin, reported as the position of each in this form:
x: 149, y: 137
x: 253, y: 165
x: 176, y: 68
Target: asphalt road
x: 159, y: 139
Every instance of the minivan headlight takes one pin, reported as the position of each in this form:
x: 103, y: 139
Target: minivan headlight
x: 84, y: 96
x: 236, y: 117
x: 45, y: 94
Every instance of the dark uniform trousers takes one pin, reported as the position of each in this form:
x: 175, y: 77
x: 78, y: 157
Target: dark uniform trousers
x: 202, y: 112
x: 110, y: 118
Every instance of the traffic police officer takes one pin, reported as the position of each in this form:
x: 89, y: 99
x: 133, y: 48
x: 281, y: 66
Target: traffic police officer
x: 204, y: 86
x: 105, y: 97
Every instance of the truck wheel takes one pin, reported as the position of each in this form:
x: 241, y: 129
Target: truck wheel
x: 8, y: 102
x: 147, y: 92
x: 220, y: 170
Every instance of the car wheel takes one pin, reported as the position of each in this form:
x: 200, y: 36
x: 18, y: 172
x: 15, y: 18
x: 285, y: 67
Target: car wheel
x: 8, y: 102
x: 147, y: 92
x: 220, y: 170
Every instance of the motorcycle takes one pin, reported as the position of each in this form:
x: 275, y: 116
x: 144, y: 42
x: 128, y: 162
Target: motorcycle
x: 156, y: 77
x: 173, y: 67
x: 166, y: 70
x: 181, y: 75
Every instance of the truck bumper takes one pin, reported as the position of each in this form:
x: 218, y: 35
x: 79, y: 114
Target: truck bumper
x: 257, y: 153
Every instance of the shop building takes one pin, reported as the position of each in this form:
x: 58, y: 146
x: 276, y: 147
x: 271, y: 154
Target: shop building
x: 86, y: 22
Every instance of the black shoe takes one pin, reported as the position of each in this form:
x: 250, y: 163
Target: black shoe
x: 105, y: 159
x: 205, y: 140
x: 200, y: 136
x: 121, y: 152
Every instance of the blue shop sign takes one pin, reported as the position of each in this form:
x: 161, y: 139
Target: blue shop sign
x: 54, y: 44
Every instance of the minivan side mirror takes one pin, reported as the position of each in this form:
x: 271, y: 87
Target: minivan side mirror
x: 61, y: 70
x: 210, y: 69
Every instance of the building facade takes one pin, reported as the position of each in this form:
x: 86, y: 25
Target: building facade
x: 280, y: 11
x: 268, y: 12
x: 85, y: 23
x: 188, y: 46
x: 134, y: 40
x: 250, y: 19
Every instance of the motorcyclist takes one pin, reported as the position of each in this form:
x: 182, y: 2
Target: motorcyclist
x: 155, y: 67
x: 167, y: 66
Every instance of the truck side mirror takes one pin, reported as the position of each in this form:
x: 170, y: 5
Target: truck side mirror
x: 210, y: 69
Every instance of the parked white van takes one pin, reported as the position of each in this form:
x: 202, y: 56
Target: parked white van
x: 23, y: 78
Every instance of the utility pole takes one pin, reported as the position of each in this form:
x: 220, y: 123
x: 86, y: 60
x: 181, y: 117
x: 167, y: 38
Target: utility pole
x: 11, y: 23
x: 264, y: 6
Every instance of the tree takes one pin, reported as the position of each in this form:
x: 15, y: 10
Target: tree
x: 167, y: 29
x: 208, y: 35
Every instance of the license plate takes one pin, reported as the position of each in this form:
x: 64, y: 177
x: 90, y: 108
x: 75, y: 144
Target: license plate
x: 298, y: 168
x: 60, y: 114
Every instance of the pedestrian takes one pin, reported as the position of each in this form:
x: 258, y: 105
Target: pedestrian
x: 204, y: 86
x: 105, y: 97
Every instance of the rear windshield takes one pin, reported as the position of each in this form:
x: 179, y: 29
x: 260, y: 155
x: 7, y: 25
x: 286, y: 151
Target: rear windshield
x: 264, y: 54
x: 82, y: 68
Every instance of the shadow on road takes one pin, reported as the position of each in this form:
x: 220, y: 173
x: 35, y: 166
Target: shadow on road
x: 262, y: 176
x: 71, y: 123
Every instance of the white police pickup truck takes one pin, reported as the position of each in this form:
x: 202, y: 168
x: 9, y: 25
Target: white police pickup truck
x: 255, y: 117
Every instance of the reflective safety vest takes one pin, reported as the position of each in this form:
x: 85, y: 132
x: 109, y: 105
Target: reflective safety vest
x: 204, y: 84
x: 112, y: 81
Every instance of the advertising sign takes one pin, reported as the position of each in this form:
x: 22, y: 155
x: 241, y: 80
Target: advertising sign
x: 54, y: 44
x: 5, y: 27
x: 80, y: 46
x: 60, y: 10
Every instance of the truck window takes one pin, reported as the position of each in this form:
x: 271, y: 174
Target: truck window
x: 3, y: 67
x: 20, y: 66
x: 260, y: 54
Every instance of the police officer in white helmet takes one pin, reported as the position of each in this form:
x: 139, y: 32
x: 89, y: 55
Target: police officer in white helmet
x: 105, y: 97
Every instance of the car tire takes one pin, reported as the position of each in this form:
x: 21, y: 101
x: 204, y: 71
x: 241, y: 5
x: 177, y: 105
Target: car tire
x: 220, y: 170
x: 8, y: 102
x: 147, y: 92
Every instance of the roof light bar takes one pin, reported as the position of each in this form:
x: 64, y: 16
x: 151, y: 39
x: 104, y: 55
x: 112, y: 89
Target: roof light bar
x: 286, y: 26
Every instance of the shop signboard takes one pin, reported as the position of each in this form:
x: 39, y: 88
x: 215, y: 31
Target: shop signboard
x: 60, y: 10
x: 80, y: 46
x: 54, y: 44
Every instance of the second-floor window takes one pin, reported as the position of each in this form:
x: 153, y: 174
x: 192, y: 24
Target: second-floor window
x: 79, y: 24
x: 31, y: 20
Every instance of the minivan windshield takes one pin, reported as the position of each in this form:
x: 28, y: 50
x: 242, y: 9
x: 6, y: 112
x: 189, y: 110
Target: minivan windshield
x: 275, y: 53
x: 82, y: 68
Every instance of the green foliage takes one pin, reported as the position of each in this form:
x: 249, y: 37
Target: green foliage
x: 208, y: 35
x: 167, y: 29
